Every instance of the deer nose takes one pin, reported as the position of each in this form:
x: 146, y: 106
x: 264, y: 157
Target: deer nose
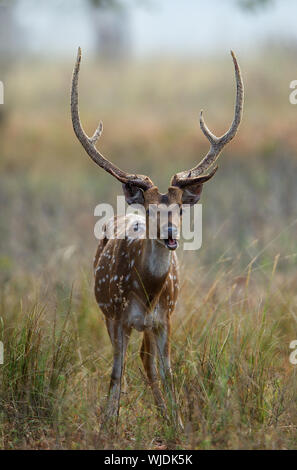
x: 170, y: 231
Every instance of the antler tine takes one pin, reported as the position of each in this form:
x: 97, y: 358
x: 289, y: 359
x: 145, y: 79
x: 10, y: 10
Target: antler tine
x: 142, y: 181
x: 216, y: 143
x: 97, y: 134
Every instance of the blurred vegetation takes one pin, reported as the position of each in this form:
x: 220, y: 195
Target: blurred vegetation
x: 237, y: 311
x: 245, y: 4
x: 254, y: 5
x: 49, y: 187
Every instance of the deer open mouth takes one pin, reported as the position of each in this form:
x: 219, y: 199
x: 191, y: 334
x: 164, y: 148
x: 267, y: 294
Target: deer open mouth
x: 171, y: 243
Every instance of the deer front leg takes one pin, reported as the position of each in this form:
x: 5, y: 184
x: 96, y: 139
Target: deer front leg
x: 119, y: 336
x: 148, y: 354
x: 162, y: 335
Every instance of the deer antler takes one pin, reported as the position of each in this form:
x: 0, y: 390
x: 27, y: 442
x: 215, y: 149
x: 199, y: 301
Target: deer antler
x: 216, y: 143
x: 141, y: 181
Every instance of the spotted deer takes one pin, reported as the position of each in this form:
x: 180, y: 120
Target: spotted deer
x: 137, y: 279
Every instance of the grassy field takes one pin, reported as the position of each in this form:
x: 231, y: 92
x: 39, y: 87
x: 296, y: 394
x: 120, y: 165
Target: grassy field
x: 236, y: 314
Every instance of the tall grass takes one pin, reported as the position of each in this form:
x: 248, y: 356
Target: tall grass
x: 35, y: 375
x: 235, y: 386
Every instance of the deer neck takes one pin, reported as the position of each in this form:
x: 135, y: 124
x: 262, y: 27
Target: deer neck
x: 155, y: 262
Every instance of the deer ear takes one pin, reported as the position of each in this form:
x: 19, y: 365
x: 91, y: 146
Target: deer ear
x: 192, y: 193
x: 133, y: 194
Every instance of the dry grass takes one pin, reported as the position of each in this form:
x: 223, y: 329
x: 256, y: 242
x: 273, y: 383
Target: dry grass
x: 237, y: 311
x: 235, y: 385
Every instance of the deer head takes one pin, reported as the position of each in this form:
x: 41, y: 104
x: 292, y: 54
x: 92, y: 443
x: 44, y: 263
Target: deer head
x: 185, y: 187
